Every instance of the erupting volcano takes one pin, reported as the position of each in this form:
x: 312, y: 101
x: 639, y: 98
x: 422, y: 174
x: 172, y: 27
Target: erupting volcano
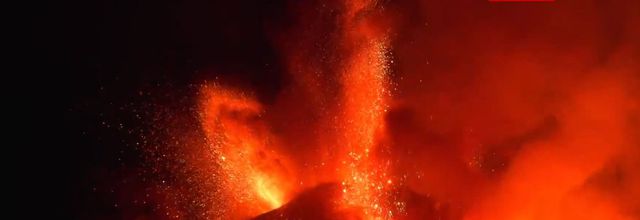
x: 410, y: 110
x: 349, y: 151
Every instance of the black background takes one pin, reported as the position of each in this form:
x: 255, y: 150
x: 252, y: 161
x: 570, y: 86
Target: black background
x: 96, y: 58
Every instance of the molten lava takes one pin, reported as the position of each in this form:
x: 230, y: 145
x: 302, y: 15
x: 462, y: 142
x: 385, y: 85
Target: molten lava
x: 256, y: 176
x: 252, y: 175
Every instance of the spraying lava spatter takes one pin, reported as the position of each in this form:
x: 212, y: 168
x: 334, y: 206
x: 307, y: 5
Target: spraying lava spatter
x: 366, y: 180
x: 257, y: 176
x: 252, y: 174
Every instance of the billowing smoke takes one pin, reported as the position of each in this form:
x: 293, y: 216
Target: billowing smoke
x: 520, y: 111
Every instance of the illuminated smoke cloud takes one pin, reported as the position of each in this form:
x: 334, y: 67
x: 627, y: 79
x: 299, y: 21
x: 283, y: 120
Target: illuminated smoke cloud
x: 424, y: 110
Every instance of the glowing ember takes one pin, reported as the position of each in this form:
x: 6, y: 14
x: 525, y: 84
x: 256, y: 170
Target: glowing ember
x: 253, y: 175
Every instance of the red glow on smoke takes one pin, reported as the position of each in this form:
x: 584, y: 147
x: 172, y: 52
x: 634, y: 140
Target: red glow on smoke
x: 372, y: 125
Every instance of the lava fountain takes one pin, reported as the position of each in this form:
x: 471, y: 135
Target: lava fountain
x: 257, y: 178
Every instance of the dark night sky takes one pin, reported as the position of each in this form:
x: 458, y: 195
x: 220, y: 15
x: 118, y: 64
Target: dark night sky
x: 99, y: 55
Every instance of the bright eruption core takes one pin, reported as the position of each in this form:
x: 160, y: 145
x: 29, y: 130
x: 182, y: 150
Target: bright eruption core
x: 422, y: 110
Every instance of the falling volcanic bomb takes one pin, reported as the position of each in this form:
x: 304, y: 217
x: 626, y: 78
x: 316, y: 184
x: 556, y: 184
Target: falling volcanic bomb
x: 380, y: 118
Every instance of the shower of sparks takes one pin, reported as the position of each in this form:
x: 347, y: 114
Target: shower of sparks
x: 255, y: 176
x: 252, y: 172
x: 366, y: 181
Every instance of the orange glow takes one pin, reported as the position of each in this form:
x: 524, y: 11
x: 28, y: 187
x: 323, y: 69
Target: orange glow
x: 253, y: 175
x: 363, y: 103
x: 268, y: 192
x: 379, y: 117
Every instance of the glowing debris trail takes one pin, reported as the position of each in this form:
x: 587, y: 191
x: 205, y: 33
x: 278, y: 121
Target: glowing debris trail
x: 252, y: 172
x: 366, y: 181
x: 254, y: 178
